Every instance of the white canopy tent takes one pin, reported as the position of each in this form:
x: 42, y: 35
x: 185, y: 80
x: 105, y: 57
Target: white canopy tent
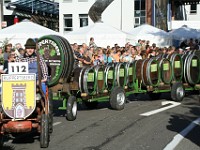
x: 184, y: 33
x: 102, y: 33
x: 153, y: 34
x: 20, y: 32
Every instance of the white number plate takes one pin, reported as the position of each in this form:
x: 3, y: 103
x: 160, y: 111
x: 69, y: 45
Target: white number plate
x: 18, y: 68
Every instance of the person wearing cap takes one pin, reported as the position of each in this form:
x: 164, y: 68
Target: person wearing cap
x: 31, y: 57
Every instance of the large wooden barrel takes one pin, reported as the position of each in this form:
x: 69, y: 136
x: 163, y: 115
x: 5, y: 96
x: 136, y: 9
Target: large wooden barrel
x: 131, y: 74
x: 147, y: 72
x: 110, y: 77
x: 58, y: 55
x: 165, y: 70
x: 100, y: 78
x: 177, y: 66
x: 191, y: 69
x: 121, y: 74
x: 87, y: 81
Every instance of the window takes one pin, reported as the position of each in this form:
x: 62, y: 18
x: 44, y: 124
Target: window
x: 7, y: 1
x: 83, y: 20
x: 68, y: 22
x: 193, y: 8
x: 140, y: 12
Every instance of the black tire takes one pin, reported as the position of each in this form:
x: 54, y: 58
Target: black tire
x: 50, y: 94
x: 71, y: 111
x: 177, y: 92
x: 44, y: 132
x: 117, y: 98
x: 91, y: 105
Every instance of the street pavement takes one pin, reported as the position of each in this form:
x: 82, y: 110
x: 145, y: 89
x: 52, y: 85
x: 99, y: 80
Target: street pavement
x: 107, y: 129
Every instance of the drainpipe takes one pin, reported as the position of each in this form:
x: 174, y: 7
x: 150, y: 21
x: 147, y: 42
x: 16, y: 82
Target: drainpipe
x: 169, y: 15
x: 153, y: 22
x: 1, y: 13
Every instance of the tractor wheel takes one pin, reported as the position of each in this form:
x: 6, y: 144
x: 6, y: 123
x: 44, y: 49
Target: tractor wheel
x: 117, y: 98
x: 177, y: 92
x: 71, y: 111
x: 44, y: 132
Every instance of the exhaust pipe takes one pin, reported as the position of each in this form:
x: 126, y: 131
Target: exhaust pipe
x: 97, y: 9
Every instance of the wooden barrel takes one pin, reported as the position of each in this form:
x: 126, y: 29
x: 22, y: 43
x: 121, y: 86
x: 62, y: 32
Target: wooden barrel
x: 87, y: 81
x: 121, y: 74
x: 58, y: 55
x: 131, y: 74
x: 110, y: 77
x: 147, y: 72
x: 177, y: 66
x: 191, y: 69
x: 100, y: 78
x: 165, y: 70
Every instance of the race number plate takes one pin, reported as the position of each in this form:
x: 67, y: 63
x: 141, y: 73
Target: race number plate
x: 18, y: 68
x: 18, y: 95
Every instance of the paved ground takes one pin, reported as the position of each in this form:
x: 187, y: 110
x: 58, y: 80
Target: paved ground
x: 107, y: 129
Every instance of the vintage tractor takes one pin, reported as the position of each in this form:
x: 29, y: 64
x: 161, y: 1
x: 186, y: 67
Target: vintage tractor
x: 25, y: 107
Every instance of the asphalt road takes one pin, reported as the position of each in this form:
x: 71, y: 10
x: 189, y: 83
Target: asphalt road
x: 107, y: 129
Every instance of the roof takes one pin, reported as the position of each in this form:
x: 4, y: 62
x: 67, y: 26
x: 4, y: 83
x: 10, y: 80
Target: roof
x: 44, y: 7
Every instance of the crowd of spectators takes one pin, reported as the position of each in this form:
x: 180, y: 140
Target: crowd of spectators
x: 91, y: 54
x: 8, y: 54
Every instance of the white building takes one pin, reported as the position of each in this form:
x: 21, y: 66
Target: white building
x: 191, y: 15
x: 73, y: 14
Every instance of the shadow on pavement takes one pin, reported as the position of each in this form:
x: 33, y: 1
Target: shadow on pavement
x: 178, y: 122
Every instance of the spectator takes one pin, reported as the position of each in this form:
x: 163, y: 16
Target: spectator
x: 184, y: 44
x: 7, y: 51
x: 116, y: 56
x: 96, y: 60
x: 92, y: 43
x: 87, y: 61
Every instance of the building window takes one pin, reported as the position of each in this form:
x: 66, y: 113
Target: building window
x: 83, y: 20
x: 140, y: 12
x: 68, y: 26
x: 193, y: 8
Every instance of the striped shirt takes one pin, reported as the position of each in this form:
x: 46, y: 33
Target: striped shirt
x: 33, y: 58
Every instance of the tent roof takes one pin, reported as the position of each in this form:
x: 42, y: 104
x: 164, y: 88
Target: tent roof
x: 147, y: 29
x: 103, y: 34
x: 153, y: 34
x: 97, y: 28
x: 23, y: 30
x: 185, y: 32
x: 27, y: 27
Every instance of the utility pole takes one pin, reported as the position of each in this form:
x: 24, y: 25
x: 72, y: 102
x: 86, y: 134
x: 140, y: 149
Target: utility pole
x: 1, y: 13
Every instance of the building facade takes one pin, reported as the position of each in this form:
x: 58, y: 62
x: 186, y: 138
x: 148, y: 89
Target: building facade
x: 121, y: 14
x: 43, y: 12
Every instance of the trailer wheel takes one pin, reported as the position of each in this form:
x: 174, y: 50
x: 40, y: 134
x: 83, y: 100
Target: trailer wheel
x: 117, y: 98
x: 44, y: 132
x: 50, y: 94
x: 91, y: 105
x: 177, y: 92
x: 71, y: 111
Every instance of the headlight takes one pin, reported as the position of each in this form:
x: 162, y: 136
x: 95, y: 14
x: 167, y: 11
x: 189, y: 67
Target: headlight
x: 38, y: 97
